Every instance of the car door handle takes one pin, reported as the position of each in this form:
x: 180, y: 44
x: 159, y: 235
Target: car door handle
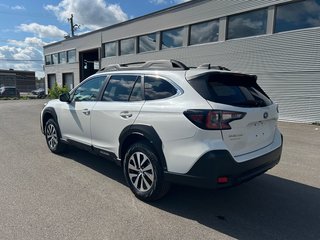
x: 86, y: 111
x: 126, y: 114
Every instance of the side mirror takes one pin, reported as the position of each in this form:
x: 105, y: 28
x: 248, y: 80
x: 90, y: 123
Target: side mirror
x: 65, y: 97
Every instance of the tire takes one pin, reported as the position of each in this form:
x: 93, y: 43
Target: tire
x: 144, y: 173
x: 53, y: 137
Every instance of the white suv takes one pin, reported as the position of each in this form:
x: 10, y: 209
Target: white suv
x: 164, y: 122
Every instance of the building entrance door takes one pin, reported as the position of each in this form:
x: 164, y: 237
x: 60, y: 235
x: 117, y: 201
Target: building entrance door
x: 89, y: 63
x: 67, y: 79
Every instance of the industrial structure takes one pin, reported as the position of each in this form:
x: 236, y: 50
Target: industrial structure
x: 24, y: 81
x: 278, y: 40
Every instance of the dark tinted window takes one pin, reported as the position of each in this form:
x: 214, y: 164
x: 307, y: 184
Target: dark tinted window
x: 89, y: 90
x: 8, y: 91
x: 297, y: 15
x: 127, y: 46
x: 136, y: 94
x: 204, y: 32
x: 110, y: 49
x: 157, y: 88
x: 147, y: 43
x: 119, y: 88
x: 232, y: 89
x: 247, y: 24
x: 172, y: 38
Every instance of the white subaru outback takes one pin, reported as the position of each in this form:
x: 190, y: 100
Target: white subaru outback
x: 163, y: 122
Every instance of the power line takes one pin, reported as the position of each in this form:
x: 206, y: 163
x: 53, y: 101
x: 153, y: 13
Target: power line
x: 36, y: 16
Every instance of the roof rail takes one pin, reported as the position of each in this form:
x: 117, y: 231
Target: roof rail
x: 208, y: 66
x: 153, y: 64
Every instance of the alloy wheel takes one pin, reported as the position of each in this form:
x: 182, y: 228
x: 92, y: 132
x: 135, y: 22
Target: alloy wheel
x: 141, y: 172
x: 52, y: 136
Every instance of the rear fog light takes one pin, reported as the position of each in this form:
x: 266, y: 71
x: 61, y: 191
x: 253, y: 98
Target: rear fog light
x: 222, y: 180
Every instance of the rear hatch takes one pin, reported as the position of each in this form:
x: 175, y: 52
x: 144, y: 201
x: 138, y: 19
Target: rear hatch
x: 232, y: 94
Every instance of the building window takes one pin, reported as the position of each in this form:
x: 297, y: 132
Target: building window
x: 172, y: 38
x: 127, y: 46
x: 147, y: 43
x: 204, y: 32
x: 62, y: 57
x: 297, y: 15
x: 55, y: 58
x: 110, y: 49
x: 71, y: 56
x: 247, y: 24
x: 48, y: 59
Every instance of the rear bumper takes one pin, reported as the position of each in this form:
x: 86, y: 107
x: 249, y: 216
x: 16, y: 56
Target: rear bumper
x: 220, y: 163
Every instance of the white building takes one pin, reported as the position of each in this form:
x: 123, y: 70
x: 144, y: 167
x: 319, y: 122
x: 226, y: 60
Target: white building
x: 278, y: 40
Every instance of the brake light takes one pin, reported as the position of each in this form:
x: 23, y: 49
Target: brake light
x: 213, y: 120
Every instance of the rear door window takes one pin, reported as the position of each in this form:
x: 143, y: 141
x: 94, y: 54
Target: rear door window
x: 232, y: 89
x: 120, y: 87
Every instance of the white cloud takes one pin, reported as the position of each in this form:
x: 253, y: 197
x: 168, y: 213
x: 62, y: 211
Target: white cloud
x: 29, y: 41
x: 20, y: 55
x: 92, y: 14
x: 42, y: 31
x: 158, y: 2
x: 18, y: 7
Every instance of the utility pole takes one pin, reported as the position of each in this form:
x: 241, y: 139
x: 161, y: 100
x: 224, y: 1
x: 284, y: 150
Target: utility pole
x: 73, y: 27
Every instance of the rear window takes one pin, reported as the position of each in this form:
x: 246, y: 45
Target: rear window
x: 157, y: 88
x: 232, y: 89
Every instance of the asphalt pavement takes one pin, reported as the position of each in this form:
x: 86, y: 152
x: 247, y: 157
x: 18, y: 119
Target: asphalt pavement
x: 81, y: 196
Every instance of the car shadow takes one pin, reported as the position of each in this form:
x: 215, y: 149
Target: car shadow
x: 104, y: 166
x: 268, y: 207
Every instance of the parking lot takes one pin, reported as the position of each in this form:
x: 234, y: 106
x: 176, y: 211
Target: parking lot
x: 81, y: 196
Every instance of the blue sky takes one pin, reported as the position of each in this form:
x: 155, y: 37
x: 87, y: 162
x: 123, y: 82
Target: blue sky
x: 25, y: 26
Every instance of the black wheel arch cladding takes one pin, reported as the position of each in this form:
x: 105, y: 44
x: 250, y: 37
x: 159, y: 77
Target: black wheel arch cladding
x: 148, y: 133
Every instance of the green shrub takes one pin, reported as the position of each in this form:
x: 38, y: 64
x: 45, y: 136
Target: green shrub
x: 24, y: 98
x: 56, y: 91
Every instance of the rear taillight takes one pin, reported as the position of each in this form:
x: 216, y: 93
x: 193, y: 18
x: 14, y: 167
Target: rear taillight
x: 213, y: 120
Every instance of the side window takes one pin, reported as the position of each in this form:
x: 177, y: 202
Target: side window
x: 157, y: 88
x: 247, y: 24
x: 297, y: 15
x: 89, y: 90
x: 119, y: 88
